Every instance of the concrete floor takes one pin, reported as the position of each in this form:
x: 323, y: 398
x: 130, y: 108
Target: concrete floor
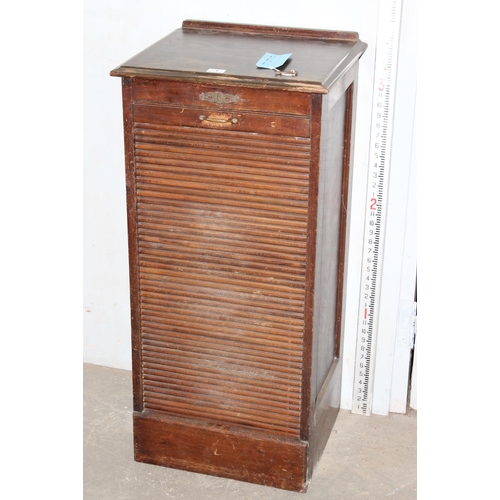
x: 366, y: 457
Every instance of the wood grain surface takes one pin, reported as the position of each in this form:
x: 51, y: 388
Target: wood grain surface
x: 237, y: 199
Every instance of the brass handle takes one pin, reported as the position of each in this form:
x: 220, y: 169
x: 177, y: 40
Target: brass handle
x: 218, y: 120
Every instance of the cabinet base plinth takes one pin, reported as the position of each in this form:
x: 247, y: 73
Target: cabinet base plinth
x: 219, y: 451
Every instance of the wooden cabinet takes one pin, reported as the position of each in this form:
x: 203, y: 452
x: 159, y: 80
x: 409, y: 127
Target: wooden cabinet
x: 237, y: 182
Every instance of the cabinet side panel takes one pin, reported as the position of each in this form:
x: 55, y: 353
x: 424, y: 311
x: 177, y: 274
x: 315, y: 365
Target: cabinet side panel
x: 332, y: 205
x: 328, y: 238
x: 348, y: 149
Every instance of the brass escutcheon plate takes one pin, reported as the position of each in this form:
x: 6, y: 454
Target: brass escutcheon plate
x: 219, y: 97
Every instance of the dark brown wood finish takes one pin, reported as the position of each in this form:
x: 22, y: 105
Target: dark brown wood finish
x: 133, y: 241
x: 281, y: 31
x: 179, y: 94
x: 186, y: 55
x: 311, y: 266
x: 236, y: 192
x: 221, y: 451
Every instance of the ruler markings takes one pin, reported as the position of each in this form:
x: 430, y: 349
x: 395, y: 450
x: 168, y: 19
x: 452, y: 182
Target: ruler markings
x: 381, y: 127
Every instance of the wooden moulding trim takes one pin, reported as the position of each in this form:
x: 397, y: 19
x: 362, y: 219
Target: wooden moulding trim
x: 221, y: 451
x: 345, y: 66
x: 250, y: 29
x: 226, y: 80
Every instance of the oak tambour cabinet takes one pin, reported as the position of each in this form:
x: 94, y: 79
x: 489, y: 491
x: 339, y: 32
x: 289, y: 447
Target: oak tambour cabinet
x: 237, y: 182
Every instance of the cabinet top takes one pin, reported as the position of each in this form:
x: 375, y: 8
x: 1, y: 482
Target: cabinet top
x: 227, y: 54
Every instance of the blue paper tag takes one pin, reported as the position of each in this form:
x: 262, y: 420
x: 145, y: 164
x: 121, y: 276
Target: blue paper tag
x: 270, y: 61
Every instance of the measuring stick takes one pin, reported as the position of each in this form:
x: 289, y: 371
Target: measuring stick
x: 389, y: 20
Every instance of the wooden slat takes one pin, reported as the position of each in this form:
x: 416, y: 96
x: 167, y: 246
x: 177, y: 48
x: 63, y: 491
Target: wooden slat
x: 213, y: 211
x: 176, y: 302
x: 246, y: 299
x: 237, y: 142
x: 247, y: 357
x: 221, y: 332
x: 158, y: 333
x: 220, y: 372
x: 178, y: 254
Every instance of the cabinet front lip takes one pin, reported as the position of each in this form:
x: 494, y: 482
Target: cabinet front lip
x: 228, y: 80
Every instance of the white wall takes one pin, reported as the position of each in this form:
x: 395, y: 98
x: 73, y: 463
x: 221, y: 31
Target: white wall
x: 114, y: 30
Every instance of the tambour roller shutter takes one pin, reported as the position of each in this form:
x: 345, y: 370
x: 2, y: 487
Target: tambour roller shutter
x: 221, y: 223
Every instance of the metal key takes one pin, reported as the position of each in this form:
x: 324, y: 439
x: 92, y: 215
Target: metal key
x: 290, y: 72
